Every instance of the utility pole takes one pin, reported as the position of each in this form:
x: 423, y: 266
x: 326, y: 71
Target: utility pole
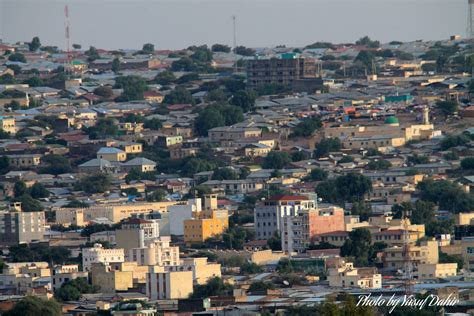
x: 67, y: 38
x: 234, y: 41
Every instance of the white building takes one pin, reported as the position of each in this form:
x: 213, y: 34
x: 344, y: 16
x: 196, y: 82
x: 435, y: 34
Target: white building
x: 347, y: 276
x: 158, y: 253
x: 100, y: 254
x: 178, y: 213
x: 64, y: 273
x: 268, y: 213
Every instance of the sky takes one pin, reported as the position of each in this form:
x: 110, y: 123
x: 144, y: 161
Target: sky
x: 176, y: 24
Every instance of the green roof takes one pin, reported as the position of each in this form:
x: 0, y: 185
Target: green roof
x: 391, y: 120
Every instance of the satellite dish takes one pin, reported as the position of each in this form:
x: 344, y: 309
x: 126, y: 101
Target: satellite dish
x: 285, y: 282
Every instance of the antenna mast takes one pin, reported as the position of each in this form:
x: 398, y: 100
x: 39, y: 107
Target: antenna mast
x: 234, y: 43
x: 470, y: 19
x: 66, y: 33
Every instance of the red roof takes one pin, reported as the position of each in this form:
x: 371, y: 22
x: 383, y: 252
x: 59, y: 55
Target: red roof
x: 176, y: 107
x: 337, y: 232
x: 151, y: 94
x: 289, y: 198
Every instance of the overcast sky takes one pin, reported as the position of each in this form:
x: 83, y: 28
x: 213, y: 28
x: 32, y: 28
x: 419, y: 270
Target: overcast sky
x: 173, y: 24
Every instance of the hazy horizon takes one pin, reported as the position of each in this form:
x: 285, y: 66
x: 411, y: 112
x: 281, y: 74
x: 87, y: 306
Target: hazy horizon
x: 175, y: 24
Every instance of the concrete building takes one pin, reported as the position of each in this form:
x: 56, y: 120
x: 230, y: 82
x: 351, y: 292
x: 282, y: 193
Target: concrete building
x: 24, y: 161
x: 110, y: 280
x: 161, y: 284
x: 98, y: 254
x: 136, y: 233
x: 236, y: 133
x: 157, y: 253
x: 346, y: 275
x: 113, y: 212
x: 467, y: 247
x: 111, y: 154
x: 439, y: 270
x: 64, y: 273
x: 269, y: 213
x: 285, y: 70
x: 20, y: 227
x: 202, y: 270
x: 179, y: 213
x: 210, y: 222
x: 393, y: 258
x: 298, y: 231
x: 7, y: 124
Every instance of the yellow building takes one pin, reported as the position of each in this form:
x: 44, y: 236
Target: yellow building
x: 110, y: 280
x: 467, y: 246
x: 202, y: 270
x: 464, y: 218
x: 163, y: 284
x: 346, y: 275
x: 113, y: 212
x: 111, y: 154
x: 131, y: 148
x: 427, y: 253
x: 207, y: 223
x: 439, y: 270
x: 257, y: 150
x: 7, y: 124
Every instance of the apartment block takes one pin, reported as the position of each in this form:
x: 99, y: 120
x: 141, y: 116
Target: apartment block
x: 161, y: 285
x: 346, y: 275
x: 98, y: 254
x: 20, y: 227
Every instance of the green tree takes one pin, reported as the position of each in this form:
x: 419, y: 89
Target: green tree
x: 165, y: 78
x: 92, y: 54
x: 38, y: 191
x: 72, y: 290
x: 276, y: 160
x: 467, y: 163
x: 56, y: 164
x: 379, y: 164
x: 346, y: 159
x: 364, y: 210
x: 454, y: 140
x: 224, y: 174
x: 220, y: 48
x: 358, y: 245
x: 447, y: 195
x: 153, y: 124
x: 326, y: 146
x: 180, y: 95
x: 423, y: 212
x: 447, y: 107
x: 366, y: 41
x: 116, y: 65
x: 95, y: 183
x: 244, y: 100
x: 7, y: 79
x: 35, y: 306
x: 29, y: 204
x: 365, y: 58
x: 306, y: 127
x: 34, y: 82
x: 19, y: 188
x: 347, y: 188
x: 76, y: 204
x: 244, y: 51
x: 447, y: 258
x: 104, y: 128
x: 195, y: 165
x: 156, y: 196
x: 133, y: 86
x: 214, y: 287
x: 4, y: 164
x: 104, y: 91
x: 148, y: 48
x: 35, y: 44
x: 18, y: 57
x: 451, y: 156
x: 261, y: 286
x: 274, y: 242
x: 318, y: 174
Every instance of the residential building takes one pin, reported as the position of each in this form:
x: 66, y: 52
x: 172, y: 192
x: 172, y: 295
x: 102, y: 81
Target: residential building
x: 111, y: 154
x: 467, y: 248
x: 109, y: 280
x: 7, y: 124
x: 299, y: 230
x: 393, y: 258
x: 64, y: 273
x: 136, y: 233
x: 161, y: 284
x: 141, y: 164
x: 269, y: 213
x: 285, y: 70
x: 202, y: 270
x: 157, y: 253
x: 346, y: 275
x: 18, y: 227
x: 99, y: 254
x: 436, y: 270
x: 179, y: 213
x: 25, y: 161
x: 236, y: 133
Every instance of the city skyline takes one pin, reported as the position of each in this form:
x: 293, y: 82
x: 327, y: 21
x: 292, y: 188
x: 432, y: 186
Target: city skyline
x: 259, y: 24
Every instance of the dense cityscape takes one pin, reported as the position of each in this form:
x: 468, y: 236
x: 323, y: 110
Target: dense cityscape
x: 219, y: 180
